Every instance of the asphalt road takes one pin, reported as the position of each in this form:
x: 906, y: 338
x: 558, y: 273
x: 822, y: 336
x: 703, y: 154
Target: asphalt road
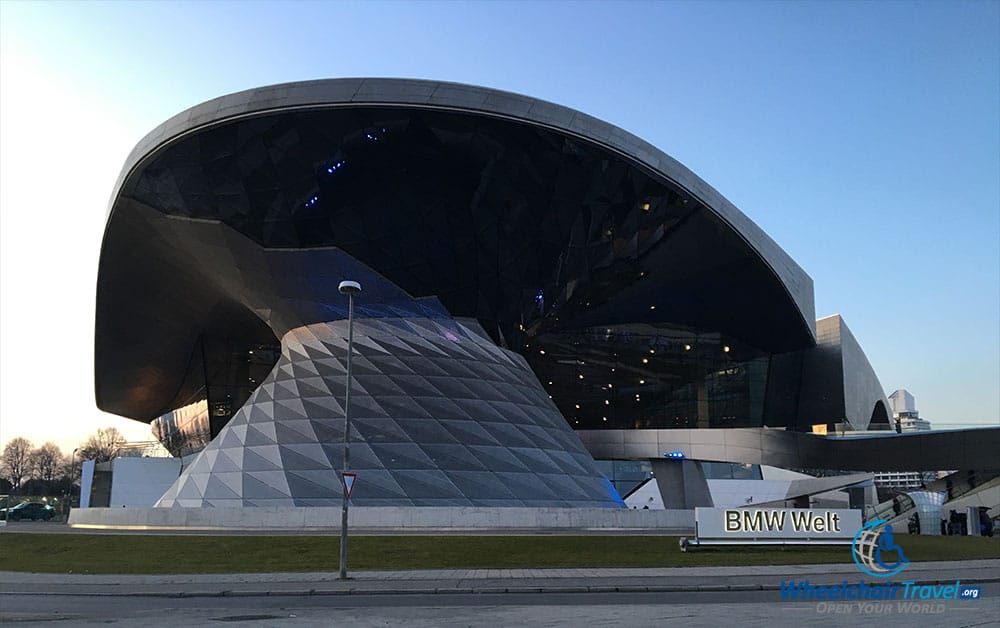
x: 693, y: 609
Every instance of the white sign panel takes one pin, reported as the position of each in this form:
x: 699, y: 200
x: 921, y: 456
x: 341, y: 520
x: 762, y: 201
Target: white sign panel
x: 777, y: 523
x: 348, y: 480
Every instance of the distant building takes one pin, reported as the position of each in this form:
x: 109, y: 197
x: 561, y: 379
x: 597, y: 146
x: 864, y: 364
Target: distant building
x: 902, y: 401
x: 912, y: 423
x: 905, y: 418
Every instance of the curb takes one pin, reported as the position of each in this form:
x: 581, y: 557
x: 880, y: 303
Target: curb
x: 720, y: 588
x: 416, y: 591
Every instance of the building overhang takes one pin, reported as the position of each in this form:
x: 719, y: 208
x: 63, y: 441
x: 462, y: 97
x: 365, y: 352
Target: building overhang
x: 924, y: 451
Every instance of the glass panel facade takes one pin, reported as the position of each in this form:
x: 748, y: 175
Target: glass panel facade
x: 185, y: 430
x: 731, y: 471
x: 625, y: 475
x: 634, y: 299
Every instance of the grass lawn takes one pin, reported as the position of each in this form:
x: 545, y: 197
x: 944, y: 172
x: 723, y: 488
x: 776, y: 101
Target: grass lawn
x: 160, y: 554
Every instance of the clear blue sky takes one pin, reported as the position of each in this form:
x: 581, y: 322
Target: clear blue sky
x: 863, y: 137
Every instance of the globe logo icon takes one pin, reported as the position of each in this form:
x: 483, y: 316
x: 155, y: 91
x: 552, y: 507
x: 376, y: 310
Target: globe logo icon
x: 875, y: 550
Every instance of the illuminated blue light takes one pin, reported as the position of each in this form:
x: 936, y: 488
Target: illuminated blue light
x: 335, y: 167
x: 675, y: 455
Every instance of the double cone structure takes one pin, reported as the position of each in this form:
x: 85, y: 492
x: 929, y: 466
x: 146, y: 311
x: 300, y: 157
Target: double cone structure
x: 528, y: 271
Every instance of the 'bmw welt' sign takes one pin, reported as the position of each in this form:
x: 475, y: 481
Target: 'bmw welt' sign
x: 777, y: 523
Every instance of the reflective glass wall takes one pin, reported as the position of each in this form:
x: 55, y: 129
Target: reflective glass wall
x: 634, y: 303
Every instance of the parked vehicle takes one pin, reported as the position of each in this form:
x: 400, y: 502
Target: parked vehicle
x: 28, y: 510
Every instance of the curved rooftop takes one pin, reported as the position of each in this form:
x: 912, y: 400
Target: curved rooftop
x: 554, y: 230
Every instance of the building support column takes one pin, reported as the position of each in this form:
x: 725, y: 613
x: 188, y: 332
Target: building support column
x: 682, y: 484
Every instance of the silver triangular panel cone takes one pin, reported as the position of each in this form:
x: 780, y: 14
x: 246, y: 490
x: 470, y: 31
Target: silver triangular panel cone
x: 224, y: 462
x: 210, y: 457
x: 305, y: 457
x: 323, y: 408
x: 425, y: 347
x: 189, y: 490
x: 274, y: 480
x: 262, y: 412
x: 168, y: 498
x: 292, y: 431
x: 235, y: 455
x: 290, y: 386
x: 397, y: 346
x: 294, y: 406
x: 435, y: 422
x: 269, y: 456
x: 240, y: 431
x: 200, y: 480
x: 261, y: 434
x: 293, y: 357
x: 313, y: 387
x: 335, y: 345
x: 233, y: 481
x: 368, y: 342
x: 331, y: 367
x: 310, y: 347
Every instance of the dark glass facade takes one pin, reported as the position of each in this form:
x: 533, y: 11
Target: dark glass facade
x: 626, y: 475
x: 524, y: 228
x: 635, y: 305
x: 184, y: 431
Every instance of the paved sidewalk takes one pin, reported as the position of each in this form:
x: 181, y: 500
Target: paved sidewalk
x: 453, y: 581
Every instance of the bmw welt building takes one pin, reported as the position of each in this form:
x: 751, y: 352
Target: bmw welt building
x: 543, y: 294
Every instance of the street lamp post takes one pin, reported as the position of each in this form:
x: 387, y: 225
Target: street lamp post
x: 72, y: 473
x: 350, y: 288
x: 67, y: 503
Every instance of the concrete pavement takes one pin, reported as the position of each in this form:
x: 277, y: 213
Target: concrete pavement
x: 464, y: 581
x: 58, y: 527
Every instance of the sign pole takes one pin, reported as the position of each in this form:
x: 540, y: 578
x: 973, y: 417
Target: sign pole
x: 350, y: 288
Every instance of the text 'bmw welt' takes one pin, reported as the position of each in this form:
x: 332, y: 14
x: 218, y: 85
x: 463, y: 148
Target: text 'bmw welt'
x: 775, y: 520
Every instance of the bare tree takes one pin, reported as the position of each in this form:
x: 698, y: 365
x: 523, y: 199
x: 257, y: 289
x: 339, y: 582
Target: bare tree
x: 15, y: 462
x: 70, y: 469
x: 47, y: 462
x: 102, y: 445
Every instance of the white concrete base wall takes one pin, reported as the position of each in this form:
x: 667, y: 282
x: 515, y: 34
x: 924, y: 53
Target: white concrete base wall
x: 411, y: 518
x: 141, y: 481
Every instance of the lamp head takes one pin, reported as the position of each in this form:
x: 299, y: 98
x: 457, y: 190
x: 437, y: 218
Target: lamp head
x: 349, y: 287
